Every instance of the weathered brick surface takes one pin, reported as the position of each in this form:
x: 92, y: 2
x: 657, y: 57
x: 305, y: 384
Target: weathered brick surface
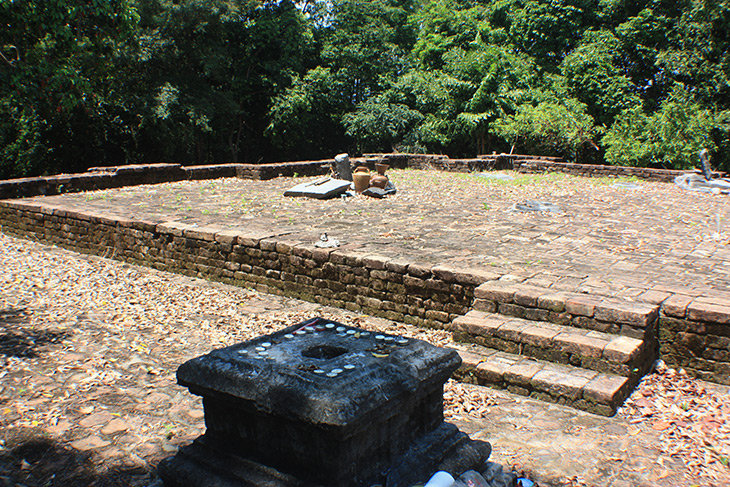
x: 555, y: 343
x: 497, y: 291
x: 541, y: 335
x: 653, y: 296
x: 552, y: 302
x: 366, y: 283
x: 622, y: 349
x: 625, y: 312
x: 700, y: 310
x: 522, y: 372
x: 582, y: 305
x: 493, y: 370
x: 561, y: 383
x: 604, y: 388
x: 528, y: 296
x: 584, y: 389
x: 425, y: 294
x: 580, y: 344
x: 702, y: 348
x: 541, y: 165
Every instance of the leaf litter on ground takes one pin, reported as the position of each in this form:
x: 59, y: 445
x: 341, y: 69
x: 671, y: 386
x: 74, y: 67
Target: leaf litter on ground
x: 693, y: 417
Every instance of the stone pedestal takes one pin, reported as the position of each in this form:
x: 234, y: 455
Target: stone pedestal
x: 321, y: 404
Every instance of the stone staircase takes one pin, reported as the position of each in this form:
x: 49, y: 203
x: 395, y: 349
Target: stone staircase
x: 581, y: 350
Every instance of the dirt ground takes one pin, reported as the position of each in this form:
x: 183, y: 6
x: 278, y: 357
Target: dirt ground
x: 89, y: 348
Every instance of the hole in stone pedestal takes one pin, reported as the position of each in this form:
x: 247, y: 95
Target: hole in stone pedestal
x: 323, y: 352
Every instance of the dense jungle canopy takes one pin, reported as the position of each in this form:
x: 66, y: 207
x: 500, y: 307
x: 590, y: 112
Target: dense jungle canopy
x: 102, y: 82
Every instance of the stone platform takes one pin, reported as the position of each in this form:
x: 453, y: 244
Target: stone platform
x: 657, y: 255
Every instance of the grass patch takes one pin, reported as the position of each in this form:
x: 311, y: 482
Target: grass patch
x: 608, y: 181
x: 519, y: 180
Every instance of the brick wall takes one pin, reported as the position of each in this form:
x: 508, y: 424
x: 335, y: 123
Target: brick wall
x: 119, y: 176
x: 595, y: 170
x: 407, y: 292
x: 694, y: 333
x: 525, y: 164
x: 438, y: 162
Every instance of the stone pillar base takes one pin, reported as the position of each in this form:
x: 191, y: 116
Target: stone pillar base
x: 206, y: 464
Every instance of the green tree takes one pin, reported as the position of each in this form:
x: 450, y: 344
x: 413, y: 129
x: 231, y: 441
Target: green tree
x: 501, y: 81
x: 214, y: 66
x: 669, y: 138
x: 593, y: 75
x: 378, y: 125
x: 547, y: 31
x: 557, y: 127
x: 699, y: 56
x: 444, y: 25
x: 58, y: 95
x: 364, y: 47
x: 305, y: 120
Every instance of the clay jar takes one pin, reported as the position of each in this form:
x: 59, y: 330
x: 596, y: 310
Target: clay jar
x: 379, y: 180
x: 361, y: 178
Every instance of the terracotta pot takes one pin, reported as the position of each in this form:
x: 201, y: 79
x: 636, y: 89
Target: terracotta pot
x: 381, y: 168
x: 361, y: 180
x: 379, y: 181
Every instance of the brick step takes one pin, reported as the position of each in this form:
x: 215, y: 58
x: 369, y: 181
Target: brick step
x: 589, y: 349
x: 588, y: 390
x: 604, y: 314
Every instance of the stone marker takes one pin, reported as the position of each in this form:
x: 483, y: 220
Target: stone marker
x: 705, y: 163
x: 322, y: 404
x: 325, y: 242
x: 695, y: 182
x: 704, y: 183
x: 343, y: 168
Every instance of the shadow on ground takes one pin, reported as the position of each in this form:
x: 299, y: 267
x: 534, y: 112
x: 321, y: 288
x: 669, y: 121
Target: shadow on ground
x: 17, y: 340
x: 35, y: 461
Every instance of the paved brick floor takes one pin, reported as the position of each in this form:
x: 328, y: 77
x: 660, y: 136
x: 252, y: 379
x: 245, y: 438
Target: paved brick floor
x: 607, y: 240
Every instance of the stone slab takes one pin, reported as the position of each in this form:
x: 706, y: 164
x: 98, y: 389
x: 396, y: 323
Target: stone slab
x: 322, y: 189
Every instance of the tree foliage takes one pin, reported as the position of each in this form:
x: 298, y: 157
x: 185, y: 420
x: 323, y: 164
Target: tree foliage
x: 671, y: 137
x: 118, y: 81
x: 59, y: 59
x: 562, y: 127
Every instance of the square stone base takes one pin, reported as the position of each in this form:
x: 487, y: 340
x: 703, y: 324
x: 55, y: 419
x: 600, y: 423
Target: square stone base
x: 208, y: 464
